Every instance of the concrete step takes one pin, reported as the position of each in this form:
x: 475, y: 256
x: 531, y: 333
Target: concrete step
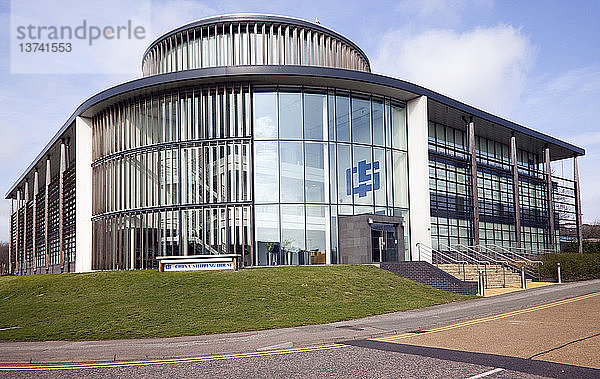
x: 496, y: 275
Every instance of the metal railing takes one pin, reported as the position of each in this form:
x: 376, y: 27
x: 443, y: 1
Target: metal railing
x: 438, y: 257
x: 532, y: 267
x: 468, y: 258
x: 474, y: 250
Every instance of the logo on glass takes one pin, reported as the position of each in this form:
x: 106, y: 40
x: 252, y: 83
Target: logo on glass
x: 365, y: 183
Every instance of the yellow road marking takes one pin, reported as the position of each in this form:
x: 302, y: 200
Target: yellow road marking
x: 78, y: 366
x: 486, y: 319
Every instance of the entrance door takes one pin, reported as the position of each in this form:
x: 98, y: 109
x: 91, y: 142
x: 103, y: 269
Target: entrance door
x: 384, y: 242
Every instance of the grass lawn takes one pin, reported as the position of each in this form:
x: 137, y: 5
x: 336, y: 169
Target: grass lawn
x: 137, y: 304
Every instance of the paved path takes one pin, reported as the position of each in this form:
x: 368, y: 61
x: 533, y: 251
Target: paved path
x: 370, y: 327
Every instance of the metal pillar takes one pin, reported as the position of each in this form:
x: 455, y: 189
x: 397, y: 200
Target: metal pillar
x: 10, y: 237
x: 475, y: 195
x: 548, y: 172
x: 63, y: 167
x: 47, y: 189
x: 516, y: 202
x: 34, y: 219
x: 26, y: 198
x: 17, y: 249
x: 577, y: 205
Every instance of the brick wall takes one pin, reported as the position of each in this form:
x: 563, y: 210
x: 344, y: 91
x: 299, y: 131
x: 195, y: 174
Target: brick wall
x: 427, y: 273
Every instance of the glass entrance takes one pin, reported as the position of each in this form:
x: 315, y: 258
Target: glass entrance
x: 384, y: 242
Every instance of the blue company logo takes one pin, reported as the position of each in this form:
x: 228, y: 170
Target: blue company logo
x: 364, y: 178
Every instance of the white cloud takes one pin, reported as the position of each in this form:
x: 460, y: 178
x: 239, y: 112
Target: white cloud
x: 485, y: 67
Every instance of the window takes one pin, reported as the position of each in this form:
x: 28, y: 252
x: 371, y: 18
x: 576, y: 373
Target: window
x: 315, y: 116
x: 266, y: 178
x: 265, y: 115
x: 292, y: 172
x: 290, y: 115
x: 361, y: 120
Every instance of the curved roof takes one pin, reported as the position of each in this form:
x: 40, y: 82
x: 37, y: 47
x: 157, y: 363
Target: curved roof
x: 302, y: 75
x: 257, y: 17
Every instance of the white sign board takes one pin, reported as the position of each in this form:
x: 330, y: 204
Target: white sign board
x: 198, y: 266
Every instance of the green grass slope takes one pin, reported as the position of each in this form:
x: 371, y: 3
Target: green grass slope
x: 137, y: 304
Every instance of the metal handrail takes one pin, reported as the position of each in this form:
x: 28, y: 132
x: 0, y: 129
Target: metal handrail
x: 477, y: 262
x: 508, y: 260
x: 538, y: 252
x: 468, y: 257
x: 527, y: 261
x: 473, y: 250
x: 446, y: 256
x: 496, y: 262
x: 515, y: 254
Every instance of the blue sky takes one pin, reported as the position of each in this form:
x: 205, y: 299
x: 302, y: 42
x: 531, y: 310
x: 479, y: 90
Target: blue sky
x: 533, y: 62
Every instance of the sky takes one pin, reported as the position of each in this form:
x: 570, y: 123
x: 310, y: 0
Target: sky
x: 533, y: 62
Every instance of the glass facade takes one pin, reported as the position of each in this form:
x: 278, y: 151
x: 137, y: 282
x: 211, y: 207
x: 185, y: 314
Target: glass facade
x: 451, y: 197
x: 251, y: 43
x: 171, y: 176
x: 242, y: 170
x: 315, y: 159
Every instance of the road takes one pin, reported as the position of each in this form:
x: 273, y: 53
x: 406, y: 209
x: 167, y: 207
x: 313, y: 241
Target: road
x: 547, y: 332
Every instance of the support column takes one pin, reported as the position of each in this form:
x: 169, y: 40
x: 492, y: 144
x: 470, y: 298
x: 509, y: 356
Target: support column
x: 578, y: 205
x: 26, y: 198
x: 61, y: 185
x: 418, y: 177
x: 548, y: 172
x: 517, y: 201
x: 10, y: 236
x: 47, y: 189
x: 475, y: 194
x: 34, y: 219
x: 17, y: 249
x: 83, y: 193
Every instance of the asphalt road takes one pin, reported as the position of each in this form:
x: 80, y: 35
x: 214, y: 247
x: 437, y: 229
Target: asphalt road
x: 553, y: 334
x: 345, y: 362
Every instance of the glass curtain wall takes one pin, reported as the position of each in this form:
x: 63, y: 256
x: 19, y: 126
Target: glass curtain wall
x: 171, y: 176
x: 250, y: 43
x: 319, y: 154
x: 451, y: 199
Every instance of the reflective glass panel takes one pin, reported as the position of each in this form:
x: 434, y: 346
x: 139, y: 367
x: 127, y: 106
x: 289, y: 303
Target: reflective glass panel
x: 267, y: 235
x: 315, y: 116
x: 400, y: 180
x: 317, y: 233
x: 265, y: 115
x: 399, y: 127
x: 342, y: 118
x: 316, y: 172
x: 344, y: 174
x: 379, y: 188
x: 290, y: 115
x: 363, y: 180
x: 266, y: 178
x: 378, y: 136
x: 292, y: 235
x: 292, y: 172
x: 361, y: 120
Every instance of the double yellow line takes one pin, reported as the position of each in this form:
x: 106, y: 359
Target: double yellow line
x: 79, y: 366
x: 485, y: 319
